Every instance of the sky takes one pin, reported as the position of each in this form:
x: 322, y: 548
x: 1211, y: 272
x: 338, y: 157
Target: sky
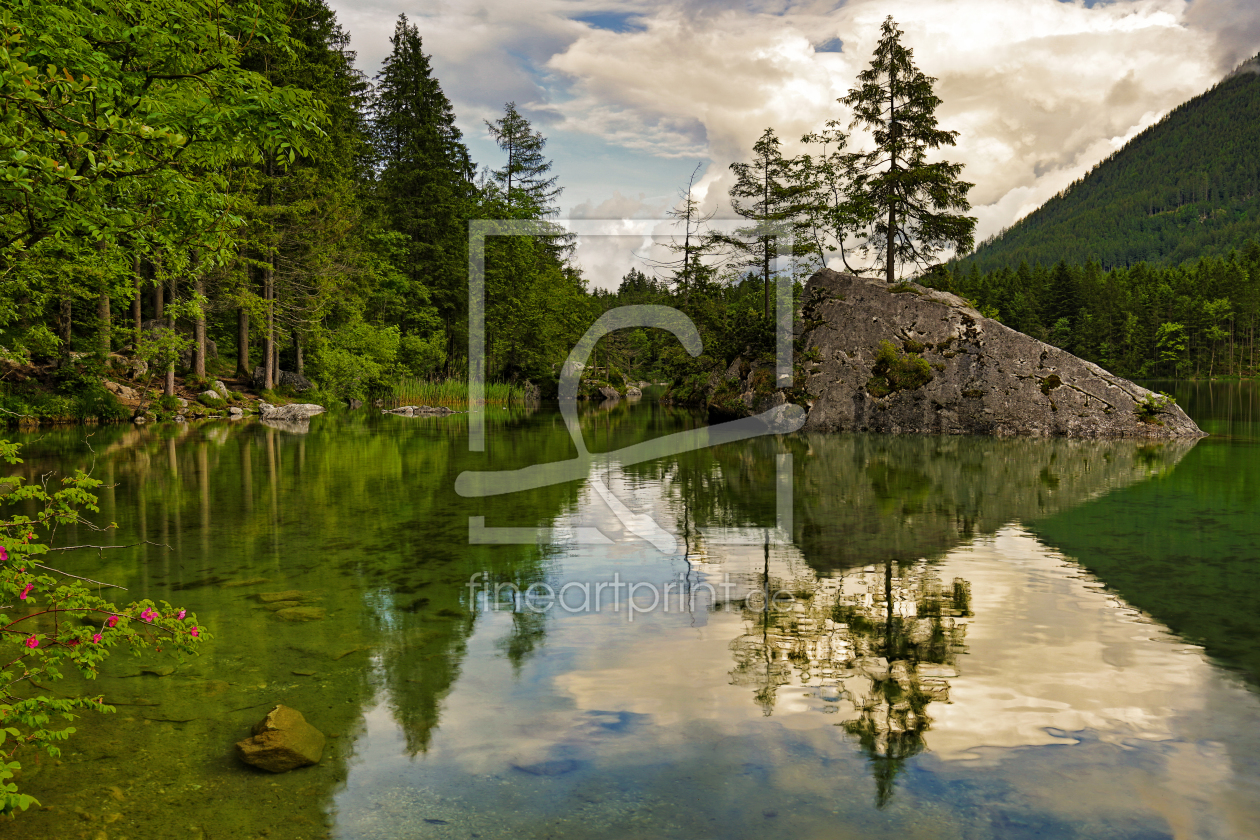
x: 634, y: 95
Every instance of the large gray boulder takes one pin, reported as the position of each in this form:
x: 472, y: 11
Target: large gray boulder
x: 294, y: 411
x: 907, y: 359
x: 282, y: 741
x: 296, y: 381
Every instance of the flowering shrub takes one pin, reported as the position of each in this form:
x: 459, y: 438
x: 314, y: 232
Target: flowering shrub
x: 50, y: 620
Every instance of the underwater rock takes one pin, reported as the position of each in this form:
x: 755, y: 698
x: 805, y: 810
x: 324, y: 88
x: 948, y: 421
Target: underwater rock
x: 302, y: 613
x: 909, y: 359
x: 287, y: 595
x: 282, y: 741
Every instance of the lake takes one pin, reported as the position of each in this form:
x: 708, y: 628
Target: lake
x: 846, y: 636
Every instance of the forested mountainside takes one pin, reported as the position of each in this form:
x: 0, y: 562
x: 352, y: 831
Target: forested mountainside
x: 1187, y: 187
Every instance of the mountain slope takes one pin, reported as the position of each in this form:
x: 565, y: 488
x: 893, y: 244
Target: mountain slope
x: 1187, y: 186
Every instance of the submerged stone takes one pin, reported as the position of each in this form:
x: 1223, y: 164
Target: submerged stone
x: 302, y: 613
x: 287, y: 595
x: 282, y: 741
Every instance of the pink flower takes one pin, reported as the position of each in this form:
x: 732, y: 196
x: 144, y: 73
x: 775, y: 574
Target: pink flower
x: 195, y: 632
x: 96, y: 638
x: 73, y: 643
x: 148, y: 615
x: 32, y: 642
x: 181, y: 615
x: 4, y: 554
x: 26, y: 591
x: 113, y: 621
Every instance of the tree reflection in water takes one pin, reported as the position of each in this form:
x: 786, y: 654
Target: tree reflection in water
x: 876, y: 645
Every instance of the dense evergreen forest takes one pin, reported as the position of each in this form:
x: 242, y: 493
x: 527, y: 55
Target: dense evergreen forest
x: 1187, y: 187
x: 1196, y: 319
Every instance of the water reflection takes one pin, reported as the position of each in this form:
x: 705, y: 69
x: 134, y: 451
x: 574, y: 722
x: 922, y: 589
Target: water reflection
x: 928, y: 642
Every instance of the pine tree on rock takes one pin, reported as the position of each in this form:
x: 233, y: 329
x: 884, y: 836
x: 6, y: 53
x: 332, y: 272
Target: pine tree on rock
x: 906, y: 201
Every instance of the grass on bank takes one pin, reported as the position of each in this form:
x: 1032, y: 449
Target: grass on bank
x: 453, y: 393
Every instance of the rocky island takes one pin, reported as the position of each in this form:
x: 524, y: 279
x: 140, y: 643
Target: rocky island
x: 909, y: 359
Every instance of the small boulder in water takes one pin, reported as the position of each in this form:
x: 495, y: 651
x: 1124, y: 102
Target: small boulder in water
x: 282, y: 741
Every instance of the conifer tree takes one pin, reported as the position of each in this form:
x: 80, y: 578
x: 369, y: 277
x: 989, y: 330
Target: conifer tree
x: 770, y: 199
x: 527, y: 184
x: 426, y: 173
x: 907, y: 202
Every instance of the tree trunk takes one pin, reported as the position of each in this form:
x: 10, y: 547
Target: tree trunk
x: 103, y: 316
x: 158, y: 302
x: 242, y: 344
x: 269, y: 295
x: 269, y: 338
x: 63, y: 327
x: 136, y: 320
x: 765, y: 257
x: 168, y: 387
x: 199, y: 333
x: 298, y: 362
x: 890, y: 269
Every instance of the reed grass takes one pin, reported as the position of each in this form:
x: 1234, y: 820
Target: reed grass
x: 453, y: 392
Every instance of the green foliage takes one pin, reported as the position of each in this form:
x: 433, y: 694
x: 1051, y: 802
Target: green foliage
x: 53, y: 621
x: 106, y: 119
x: 894, y: 371
x: 359, y: 361
x: 1153, y: 405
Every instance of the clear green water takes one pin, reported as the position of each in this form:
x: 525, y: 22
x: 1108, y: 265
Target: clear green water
x: 979, y: 639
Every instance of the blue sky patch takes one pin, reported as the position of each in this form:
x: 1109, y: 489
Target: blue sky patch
x: 612, y: 21
x: 834, y: 45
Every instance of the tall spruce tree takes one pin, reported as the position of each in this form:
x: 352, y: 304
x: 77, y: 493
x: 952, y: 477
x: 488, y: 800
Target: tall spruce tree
x: 425, y: 182
x: 905, y: 201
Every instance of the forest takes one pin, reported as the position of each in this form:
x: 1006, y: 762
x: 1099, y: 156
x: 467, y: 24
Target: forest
x: 192, y: 193
x: 1196, y: 319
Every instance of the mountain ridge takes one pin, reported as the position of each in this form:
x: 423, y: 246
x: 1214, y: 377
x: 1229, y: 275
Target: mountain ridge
x: 1185, y: 187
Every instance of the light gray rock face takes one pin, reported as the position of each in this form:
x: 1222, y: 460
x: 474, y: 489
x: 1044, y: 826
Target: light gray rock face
x: 282, y: 741
x: 210, y: 395
x: 634, y: 391
x: 609, y: 393
x: 296, y: 411
x: 986, y: 379
x: 220, y: 389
